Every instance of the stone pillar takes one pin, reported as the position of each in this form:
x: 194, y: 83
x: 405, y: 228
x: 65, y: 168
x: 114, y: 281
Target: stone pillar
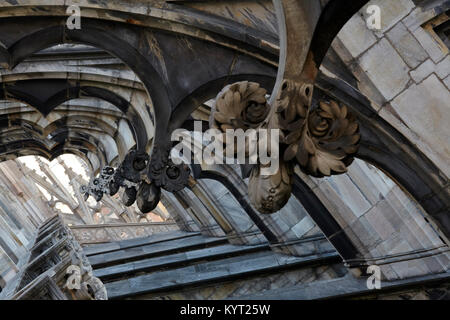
x: 291, y: 228
x: 198, y: 213
x: 162, y: 212
x: 178, y: 211
x: 243, y: 230
x: 295, y: 231
x: 197, y: 187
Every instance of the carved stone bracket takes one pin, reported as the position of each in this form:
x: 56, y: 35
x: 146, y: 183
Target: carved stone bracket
x: 322, y: 139
x: 129, y: 175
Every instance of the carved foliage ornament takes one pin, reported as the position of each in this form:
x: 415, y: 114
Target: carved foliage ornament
x: 130, y: 175
x: 242, y: 105
x: 321, y: 140
x: 269, y: 193
x: 140, y: 179
x: 164, y: 173
x: 98, y: 186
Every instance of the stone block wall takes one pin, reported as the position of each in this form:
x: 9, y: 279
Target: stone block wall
x: 404, y: 68
x: 387, y: 227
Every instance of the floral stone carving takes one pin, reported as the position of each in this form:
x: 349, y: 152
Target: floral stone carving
x: 321, y: 140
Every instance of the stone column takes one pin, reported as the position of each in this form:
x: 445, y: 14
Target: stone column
x: 198, y: 213
x: 178, y: 211
x: 243, y: 230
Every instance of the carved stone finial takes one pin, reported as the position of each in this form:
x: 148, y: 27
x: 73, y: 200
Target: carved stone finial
x: 148, y: 197
x: 270, y: 193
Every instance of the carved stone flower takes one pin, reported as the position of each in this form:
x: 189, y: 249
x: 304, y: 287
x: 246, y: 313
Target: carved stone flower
x: 326, y: 142
x: 242, y: 105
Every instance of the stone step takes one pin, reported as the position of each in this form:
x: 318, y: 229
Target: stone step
x: 130, y: 243
x: 153, y: 250
x: 177, y: 259
x: 212, y: 272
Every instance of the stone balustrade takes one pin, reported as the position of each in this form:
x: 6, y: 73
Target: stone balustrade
x: 101, y: 233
